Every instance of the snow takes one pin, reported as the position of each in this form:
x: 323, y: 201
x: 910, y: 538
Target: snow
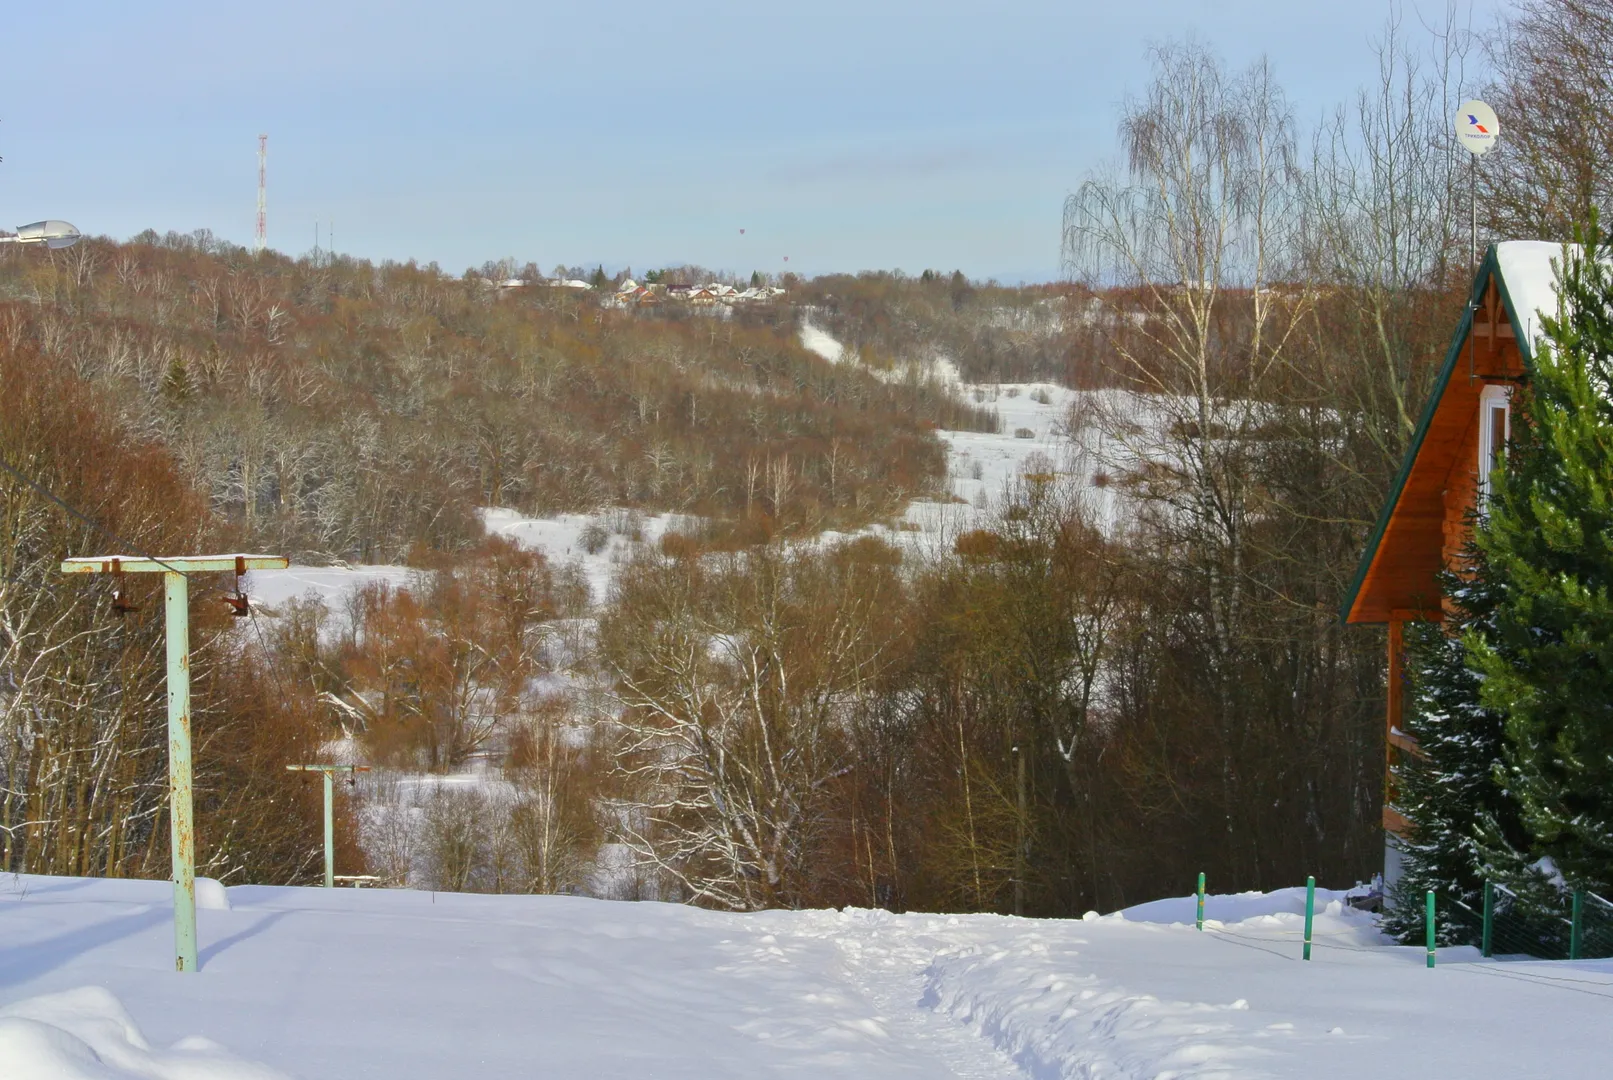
x: 331, y: 584
x: 1043, y: 428
x: 404, y: 985
x: 560, y: 537
x: 1531, y: 280
x: 85, y: 1034
x: 816, y: 339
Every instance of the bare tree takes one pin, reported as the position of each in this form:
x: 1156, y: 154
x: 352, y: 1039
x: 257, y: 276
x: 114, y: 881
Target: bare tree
x: 553, y: 825
x: 737, y: 696
x: 1196, y: 246
x: 1554, y: 94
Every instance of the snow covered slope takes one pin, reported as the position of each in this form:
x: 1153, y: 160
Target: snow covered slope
x: 404, y: 985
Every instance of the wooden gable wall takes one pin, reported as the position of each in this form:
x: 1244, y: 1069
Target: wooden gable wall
x: 1427, y: 526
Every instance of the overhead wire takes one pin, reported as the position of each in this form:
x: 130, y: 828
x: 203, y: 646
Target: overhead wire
x: 139, y: 550
x: 79, y: 515
x: 83, y: 517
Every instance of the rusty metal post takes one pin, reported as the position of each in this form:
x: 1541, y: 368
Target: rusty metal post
x: 181, y: 808
x: 176, y: 604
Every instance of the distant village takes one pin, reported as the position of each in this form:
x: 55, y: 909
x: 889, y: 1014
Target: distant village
x: 631, y: 293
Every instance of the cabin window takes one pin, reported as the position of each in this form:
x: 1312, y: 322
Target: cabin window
x: 1494, y: 429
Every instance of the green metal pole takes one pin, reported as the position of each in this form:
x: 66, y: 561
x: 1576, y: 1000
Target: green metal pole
x: 181, y: 816
x: 1428, y: 918
x: 1310, y: 912
x: 330, y: 837
x: 1575, y: 928
x: 1201, y: 900
x: 1489, y: 917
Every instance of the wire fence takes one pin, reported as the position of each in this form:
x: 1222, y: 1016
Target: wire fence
x: 1553, y: 925
x: 1577, y: 926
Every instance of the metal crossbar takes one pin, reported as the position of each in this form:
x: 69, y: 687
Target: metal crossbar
x: 181, y: 803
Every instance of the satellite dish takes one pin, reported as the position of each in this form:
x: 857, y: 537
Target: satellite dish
x: 1476, y: 127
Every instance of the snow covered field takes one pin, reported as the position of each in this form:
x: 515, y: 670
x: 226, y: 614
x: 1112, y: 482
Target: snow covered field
x: 403, y: 985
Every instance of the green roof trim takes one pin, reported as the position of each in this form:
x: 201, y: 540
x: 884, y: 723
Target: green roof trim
x: 1488, y: 269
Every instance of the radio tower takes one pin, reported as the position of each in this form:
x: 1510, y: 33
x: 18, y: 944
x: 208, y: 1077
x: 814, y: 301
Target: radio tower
x: 263, y: 194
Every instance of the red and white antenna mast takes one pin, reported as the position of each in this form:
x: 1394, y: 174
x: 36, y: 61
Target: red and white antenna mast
x: 262, y: 237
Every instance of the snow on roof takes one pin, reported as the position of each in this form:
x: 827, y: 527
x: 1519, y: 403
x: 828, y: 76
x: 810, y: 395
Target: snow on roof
x: 1527, y: 267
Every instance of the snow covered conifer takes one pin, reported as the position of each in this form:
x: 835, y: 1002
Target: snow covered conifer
x: 1546, y: 654
x: 1468, y: 826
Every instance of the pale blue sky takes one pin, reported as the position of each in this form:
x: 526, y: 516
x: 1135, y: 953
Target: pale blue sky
x: 846, y: 135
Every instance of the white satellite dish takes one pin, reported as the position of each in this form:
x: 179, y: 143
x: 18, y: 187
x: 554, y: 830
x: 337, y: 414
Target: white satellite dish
x: 1476, y: 126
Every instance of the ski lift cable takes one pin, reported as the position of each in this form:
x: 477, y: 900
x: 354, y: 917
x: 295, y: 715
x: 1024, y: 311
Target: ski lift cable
x: 85, y: 518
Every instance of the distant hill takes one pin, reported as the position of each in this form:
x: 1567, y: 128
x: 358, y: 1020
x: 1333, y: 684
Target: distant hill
x: 359, y: 410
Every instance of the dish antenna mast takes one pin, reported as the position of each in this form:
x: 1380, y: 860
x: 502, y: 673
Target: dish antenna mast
x: 1476, y: 129
x: 262, y: 237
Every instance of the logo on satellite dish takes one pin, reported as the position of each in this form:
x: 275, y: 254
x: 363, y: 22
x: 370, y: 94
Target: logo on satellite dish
x: 1476, y: 126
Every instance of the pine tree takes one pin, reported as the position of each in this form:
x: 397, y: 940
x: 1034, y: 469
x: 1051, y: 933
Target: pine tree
x: 1468, y: 827
x: 1547, y: 540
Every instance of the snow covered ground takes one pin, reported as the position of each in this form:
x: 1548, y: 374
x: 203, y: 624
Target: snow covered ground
x: 563, y: 538
x: 332, y: 584
x: 402, y: 985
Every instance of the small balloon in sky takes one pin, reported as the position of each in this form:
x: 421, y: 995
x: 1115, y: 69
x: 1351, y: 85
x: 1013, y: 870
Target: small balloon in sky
x: 741, y: 232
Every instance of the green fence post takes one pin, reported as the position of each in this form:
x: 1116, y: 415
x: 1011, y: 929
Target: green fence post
x: 1489, y: 917
x: 1429, y: 918
x: 1576, y: 927
x: 1201, y: 900
x: 1310, y: 911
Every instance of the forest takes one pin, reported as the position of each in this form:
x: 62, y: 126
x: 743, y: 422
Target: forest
x: 777, y: 703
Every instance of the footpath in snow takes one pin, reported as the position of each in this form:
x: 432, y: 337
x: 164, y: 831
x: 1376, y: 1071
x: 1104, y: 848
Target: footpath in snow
x: 403, y: 985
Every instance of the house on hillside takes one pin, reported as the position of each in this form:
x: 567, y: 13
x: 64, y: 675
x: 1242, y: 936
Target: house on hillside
x: 1460, y: 439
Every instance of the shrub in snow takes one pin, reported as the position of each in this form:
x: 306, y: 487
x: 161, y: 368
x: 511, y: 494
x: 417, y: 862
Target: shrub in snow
x: 593, y: 538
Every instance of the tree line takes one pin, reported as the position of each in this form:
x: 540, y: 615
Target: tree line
x: 1130, y: 671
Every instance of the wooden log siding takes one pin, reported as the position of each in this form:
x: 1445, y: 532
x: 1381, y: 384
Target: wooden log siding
x: 1424, y: 526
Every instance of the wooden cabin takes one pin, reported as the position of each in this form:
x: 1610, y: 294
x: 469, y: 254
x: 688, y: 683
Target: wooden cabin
x: 1460, y: 438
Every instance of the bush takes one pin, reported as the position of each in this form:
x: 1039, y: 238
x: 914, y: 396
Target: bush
x: 594, y: 538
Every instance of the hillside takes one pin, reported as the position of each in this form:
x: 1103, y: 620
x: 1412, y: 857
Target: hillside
x: 353, y: 410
